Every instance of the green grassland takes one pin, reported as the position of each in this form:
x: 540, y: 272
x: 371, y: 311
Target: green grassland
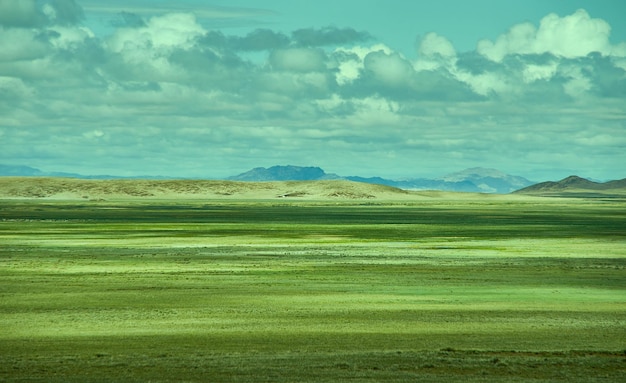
x: 440, y: 289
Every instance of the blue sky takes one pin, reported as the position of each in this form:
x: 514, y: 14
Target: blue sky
x: 397, y: 89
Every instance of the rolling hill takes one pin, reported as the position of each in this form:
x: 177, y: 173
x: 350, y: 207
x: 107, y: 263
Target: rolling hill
x: 73, y: 188
x: 574, y: 186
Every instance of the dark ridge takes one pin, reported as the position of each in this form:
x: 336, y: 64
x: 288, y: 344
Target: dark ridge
x: 572, y: 184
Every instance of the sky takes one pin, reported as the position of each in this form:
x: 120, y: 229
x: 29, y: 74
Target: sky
x: 394, y: 88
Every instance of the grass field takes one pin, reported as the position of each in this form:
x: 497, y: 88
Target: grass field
x: 440, y: 289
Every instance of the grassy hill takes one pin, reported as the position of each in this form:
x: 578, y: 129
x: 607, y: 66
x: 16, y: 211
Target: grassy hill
x: 71, y: 188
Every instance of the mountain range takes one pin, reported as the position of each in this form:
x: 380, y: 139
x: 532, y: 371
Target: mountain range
x: 470, y: 180
x: 27, y: 171
x: 480, y: 180
x: 576, y: 186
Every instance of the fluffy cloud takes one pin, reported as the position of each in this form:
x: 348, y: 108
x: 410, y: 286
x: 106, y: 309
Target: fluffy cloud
x: 388, y: 69
x: 350, y: 61
x: 298, y: 60
x: 160, y: 35
x: 434, y: 51
x: 433, y: 45
x: 571, y: 36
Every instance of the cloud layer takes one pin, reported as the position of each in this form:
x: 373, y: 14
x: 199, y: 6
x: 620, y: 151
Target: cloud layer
x: 166, y: 95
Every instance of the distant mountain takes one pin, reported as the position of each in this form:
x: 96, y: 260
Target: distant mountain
x: 489, y: 180
x: 284, y: 173
x: 471, y: 180
x: 573, y: 185
x: 27, y: 171
x: 617, y: 184
x: 19, y: 170
x: 477, y: 180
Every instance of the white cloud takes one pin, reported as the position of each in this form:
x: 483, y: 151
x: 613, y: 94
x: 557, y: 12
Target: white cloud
x: 487, y: 83
x: 519, y: 39
x: 68, y: 37
x: 391, y: 69
x: 351, y: 61
x: 376, y: 112
x: 161, y: 34
x: 298, y: 59
x: 578, y: 84
x: 145, y: 51
x: 434, y: 51
x: 533, y: 72
x: 331, y: 104
x: 575, y: 35
x: 200, y: 98
x: 435, y: 45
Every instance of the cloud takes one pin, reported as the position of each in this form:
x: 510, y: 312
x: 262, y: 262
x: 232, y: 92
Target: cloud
x: 313, y: 63
x: 19, y: 13
x: 535, y: 72
x: 68, y: 38
x: 282, y: 91
x: 150, y: 8
x: 350, y: 61
x: 267, y: 40
x: 145, y: 53
x: 63, y: 12
x: 32, y: 13
x: 433, y: 45
x: 128, y: 20
x: 311, y: 37
x: 575, y: 35
x: 169, y: 88
x: 260, y: 40
x: 20, y: 45
x: 434, y: 51
x: 378, y: 70
x: 298, y: 59
x: 161, y: 33
x: 389, y: 69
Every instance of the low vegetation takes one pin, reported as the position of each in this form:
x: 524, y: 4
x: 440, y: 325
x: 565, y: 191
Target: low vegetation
x: 72, y: 188
x: 472, y: 288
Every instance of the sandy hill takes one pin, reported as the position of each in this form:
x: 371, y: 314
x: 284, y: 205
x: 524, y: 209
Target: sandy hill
x: 576, y: 186
x: 72, y: 188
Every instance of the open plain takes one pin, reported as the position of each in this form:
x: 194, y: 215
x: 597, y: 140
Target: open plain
x: 318, y: 282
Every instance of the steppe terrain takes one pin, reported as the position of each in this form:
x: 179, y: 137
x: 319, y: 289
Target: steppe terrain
x: 324, y: 281
x: 72, y: 188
